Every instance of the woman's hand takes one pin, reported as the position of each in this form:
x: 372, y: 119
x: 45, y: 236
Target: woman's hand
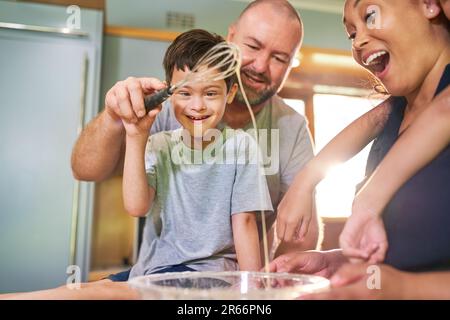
x: 364, y: 236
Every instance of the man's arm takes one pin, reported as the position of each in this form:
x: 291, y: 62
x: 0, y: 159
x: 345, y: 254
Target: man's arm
x: 99, y: 151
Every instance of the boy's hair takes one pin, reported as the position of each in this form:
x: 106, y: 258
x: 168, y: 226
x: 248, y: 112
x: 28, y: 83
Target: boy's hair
x: 187, y: 49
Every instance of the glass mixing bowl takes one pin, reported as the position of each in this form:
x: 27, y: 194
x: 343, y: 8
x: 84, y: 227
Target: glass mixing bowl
x: 233, y: 285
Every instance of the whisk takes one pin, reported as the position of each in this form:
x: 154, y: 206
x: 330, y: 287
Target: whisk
x: 219, y: 62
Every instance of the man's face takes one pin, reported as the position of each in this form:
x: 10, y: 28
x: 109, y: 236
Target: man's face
x: 268, y: 41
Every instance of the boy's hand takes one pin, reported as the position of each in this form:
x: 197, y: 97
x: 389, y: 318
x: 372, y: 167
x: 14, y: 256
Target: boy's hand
x: 294, y: 213
x: 364, y: 236
x: 125, y: 100
x: 141, y: 128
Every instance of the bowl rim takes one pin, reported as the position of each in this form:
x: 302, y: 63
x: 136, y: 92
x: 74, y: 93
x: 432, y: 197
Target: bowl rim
x: 144, y: 283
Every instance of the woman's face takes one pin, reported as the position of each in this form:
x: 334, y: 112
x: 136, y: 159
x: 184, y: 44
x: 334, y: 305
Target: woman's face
x: 392, y: 40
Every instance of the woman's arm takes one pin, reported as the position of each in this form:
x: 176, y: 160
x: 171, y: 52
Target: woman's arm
x: 291, y: 210
x: 246, y: 241
x: 351, y: 140
x: 427, y: 136
x: 429, y: 285
x: 383, y: 282
x: 364, y: 234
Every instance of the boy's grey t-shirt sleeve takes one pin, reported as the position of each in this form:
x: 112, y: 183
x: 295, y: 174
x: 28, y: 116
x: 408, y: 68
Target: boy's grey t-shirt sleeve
x: 150, y: 163
x: 250, y: 191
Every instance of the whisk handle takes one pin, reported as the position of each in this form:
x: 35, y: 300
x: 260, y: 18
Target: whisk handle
x: 154, y: 100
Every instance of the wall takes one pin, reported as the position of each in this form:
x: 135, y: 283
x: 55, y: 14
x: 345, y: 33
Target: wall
x: 324, y: 30
x: 125, y: 57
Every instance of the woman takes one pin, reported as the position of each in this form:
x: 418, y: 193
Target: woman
x: 413, y: 67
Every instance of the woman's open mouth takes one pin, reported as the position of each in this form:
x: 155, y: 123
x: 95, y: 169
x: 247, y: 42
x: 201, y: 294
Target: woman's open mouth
x: 377, y: 63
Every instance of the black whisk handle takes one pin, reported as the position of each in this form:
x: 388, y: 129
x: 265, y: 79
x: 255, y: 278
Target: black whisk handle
x: 154, y: 100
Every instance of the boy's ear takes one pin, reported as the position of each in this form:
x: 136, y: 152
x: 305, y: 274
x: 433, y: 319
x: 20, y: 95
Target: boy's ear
x: 430, y: 8
x: 232, y: 93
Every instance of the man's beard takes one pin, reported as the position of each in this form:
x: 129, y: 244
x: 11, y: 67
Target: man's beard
x: 255, y: 97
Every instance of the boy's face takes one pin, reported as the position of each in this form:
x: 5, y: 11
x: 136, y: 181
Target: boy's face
x: 200, y: 106
x: 392, y: 40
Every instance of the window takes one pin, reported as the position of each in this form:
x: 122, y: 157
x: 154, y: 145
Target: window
x: 332, y: 113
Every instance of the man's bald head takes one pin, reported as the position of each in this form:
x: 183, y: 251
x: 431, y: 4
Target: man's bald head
x: 281, y: 7
x: 269, y: 34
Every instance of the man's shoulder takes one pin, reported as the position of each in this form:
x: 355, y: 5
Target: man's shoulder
x: 284, y: 115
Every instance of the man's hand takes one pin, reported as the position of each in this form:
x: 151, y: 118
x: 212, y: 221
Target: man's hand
x: 125, y: 100
x: 364, y: 236
x: 320, y: 263
x: 358, y: 281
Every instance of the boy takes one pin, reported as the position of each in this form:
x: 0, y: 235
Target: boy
x: 197, y: 208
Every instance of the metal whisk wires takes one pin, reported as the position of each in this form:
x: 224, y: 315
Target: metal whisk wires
x: 220, y: 62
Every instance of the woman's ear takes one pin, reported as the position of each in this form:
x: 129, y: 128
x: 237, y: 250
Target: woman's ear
x: 232, y: 93
x: 430, y: 8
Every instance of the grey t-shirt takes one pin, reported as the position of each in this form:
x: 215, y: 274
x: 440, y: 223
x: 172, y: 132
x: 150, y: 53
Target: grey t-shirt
x: 288, y: 140
x: 196, y: 195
